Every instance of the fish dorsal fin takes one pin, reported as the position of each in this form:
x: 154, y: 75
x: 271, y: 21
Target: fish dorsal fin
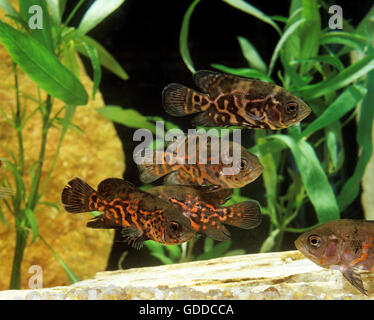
x: 213, y: 195
x: 215, y: 83
x: 109, y: 187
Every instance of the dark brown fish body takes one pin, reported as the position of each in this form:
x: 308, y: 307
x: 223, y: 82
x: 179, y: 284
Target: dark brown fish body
x: 202, y: 206
x: 209, y: 171
x: 229, y: 100
x: 346, y: 245
x: 140, y: 215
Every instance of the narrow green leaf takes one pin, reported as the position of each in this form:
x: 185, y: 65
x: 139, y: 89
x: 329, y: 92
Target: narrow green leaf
x: 342, y: 105
x: 164, y: 259
x: 42, y: 66
x: 314, y: 178
x: 290, y: 30
x: 251, y: 55
x: 57, y: 9
x: 128, y: 117
x: 244, y: 72
x: 352, y: 40
x: 344, y: 78
x: 351, y: 188
x: 98, y: 11
x: 236, y: 252
x: 32, y: 222
x: 70, y: 59
x: 183, y: 37
x: 208, y: 244
x: 155, y: 247
x: 332, y: 60
x: 251, y: 10
x: 2, y: 215
x: 105, y: 58
x: 94, y: 57
x: 270, y: 241
x: 70, y: 274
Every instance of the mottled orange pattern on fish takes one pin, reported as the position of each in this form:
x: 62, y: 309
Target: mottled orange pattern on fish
x: 346, y: 245
x: 209, y: 171
x: 202, y: 206
x: 140, y: 215
x: 229, y: 100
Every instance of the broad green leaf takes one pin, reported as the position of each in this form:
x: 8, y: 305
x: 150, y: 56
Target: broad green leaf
x: 251, y: 55
x: 70, y: 274
x: 98, y: 11
x: 32, y: 222
x: 244, y: 72
x: 217, y: 251
x: 128, y: 117
x: 344, y: 78
x: 174, y: 252
x: 94, y: 57
x: 208, y: 244
x: 164, y: 259
x: 351, y: 188
x: 290, y: 30
x: 342, y: 105
x: 251, y: 10
x: 29, y: 11
x: 183, y: 37
x: 70, y: 59
x: 105, y: 58
x: 42, y: 66
x: 352, y: 40
x: 155, y: 247
x: 314, y: 178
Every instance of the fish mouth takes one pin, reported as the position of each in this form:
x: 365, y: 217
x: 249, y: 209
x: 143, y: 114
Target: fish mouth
x: 304, y: 112
x: 257, y: 171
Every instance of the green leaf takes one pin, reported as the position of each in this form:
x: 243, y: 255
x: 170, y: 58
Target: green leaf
x: 94, y: 57
x: 2, y: 216
x: 244, y: 72
x: 251, y: 55
x: 236, y: 252
x: 32, y: 222
x: 332, y: 60
x: 174, y: 252
x: 43, y: 35
x: 98, y: 11
x: 290, y: 30
x: 57, y: 9
x: 164, y: 259
x: 183, y: 37
x: 351, y: 188
x: 216, y: 252
x: 314, y: 178
x: 105, y: 58
x: 352, y: 40
x: 155, y: 247
x: 344, y: 78
x: 70, y: 274
x: 128, y: 117
x: 70, y: 59
x: 42, y: 66
x: 208, y: 244
x: 342, y: 105
x: 270, y: 241
x: 251, y: 10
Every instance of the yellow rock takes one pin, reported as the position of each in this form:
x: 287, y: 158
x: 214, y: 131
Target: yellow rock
x: 94, y: 155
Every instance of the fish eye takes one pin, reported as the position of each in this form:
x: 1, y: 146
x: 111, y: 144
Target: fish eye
x: 174, y: 226
x: 291, y: 107
x: 314, y: 241
x: 243, y: 164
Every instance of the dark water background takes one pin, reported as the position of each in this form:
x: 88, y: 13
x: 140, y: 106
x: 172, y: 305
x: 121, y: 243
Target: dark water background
x: 143, y: 36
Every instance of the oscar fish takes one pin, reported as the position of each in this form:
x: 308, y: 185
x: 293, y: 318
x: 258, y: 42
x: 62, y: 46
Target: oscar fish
x: 228, y: 100
x: 203, y: 167
x: 203, y: 207
x: 139, y: 215
x: 345, y: 245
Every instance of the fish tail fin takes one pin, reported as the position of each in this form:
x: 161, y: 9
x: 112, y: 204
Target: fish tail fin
x: 178, y: 100
x: 245, y: 215
x: 75, y: 196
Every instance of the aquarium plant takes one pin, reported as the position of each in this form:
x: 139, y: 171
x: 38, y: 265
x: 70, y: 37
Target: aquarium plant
x: 44, y: 46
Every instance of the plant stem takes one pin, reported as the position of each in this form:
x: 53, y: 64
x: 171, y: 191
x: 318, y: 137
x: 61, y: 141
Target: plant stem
x: 190, y: 247
x: 21, y: 240
x: 18, y: 120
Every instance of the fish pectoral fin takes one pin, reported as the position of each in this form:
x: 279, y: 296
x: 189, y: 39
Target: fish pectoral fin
x: 353, y: 276
x: 133, y: 236
x: 203, y: 119
x: 99, y: 222
x: 221, y: 234
x: 254, y: 117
